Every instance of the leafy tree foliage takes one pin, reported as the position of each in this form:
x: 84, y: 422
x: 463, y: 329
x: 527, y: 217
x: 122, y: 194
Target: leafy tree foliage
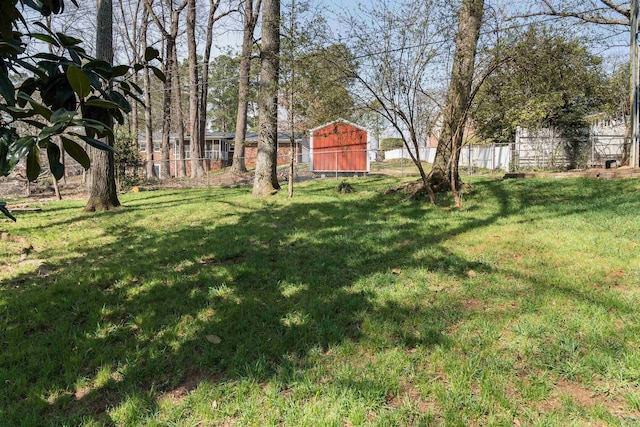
x: 223, y: 93
x: 323, y: 87
x: 548, y: 80
x: 391, y: 143
x: 61, y: 94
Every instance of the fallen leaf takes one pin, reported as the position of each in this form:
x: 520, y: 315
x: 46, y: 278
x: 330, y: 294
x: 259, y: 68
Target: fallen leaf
x: 214, y: 404
x: 396, y: 271
x: 471, y: 273
x: 435, y: 288
x: 214, y: 339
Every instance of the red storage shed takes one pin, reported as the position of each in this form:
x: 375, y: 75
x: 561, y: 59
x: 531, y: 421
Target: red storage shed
x: 339, y: 146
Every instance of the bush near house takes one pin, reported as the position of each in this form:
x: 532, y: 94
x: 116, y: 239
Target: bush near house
x: 391, y: 144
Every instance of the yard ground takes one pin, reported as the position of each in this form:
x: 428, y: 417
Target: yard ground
x: 210, y: 307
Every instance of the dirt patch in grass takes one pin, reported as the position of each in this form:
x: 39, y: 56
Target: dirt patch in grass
x: 475, y: 304
x: 209, y: 261
x: 190, y: 382
x: 585, y: 398
x: 408, y: 393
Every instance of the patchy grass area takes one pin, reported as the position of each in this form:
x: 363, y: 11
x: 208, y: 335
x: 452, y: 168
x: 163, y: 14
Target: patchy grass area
x: 210, y: 307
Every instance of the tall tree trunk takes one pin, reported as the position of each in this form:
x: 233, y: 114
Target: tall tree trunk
x: 177, y: 91
x: 266, y: 180
x: 166, y: 107
x: 250, y: 21
x: 146, y: 88
x: 197, y: 170
x: 56, y: 184
x: 445, y: 175
x: 170, y: 71
x: 204, y: 86
x: 103, y: 195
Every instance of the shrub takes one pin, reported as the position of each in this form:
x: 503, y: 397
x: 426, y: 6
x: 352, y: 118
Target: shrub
x: 391, y: 144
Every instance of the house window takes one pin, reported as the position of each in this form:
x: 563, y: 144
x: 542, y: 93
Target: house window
x: 143, y: 147
x: 156, y: 147
x: 187, y: 151
x: 208, y: 150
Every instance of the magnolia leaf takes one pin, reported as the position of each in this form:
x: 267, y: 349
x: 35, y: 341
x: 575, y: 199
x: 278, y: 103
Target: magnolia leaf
x: 33, y: 163
x: 5, y: 211
x: 62, y: 115
x: 159, y: 74
x: 102, y: 103
x: 96, y: 143
x: 79, y: 81
x: 45, y: 38
x: 119, y: 70
x: 53, y: 154
x: 76, y: 151
x: 151, y: 53
x: 7, y: 90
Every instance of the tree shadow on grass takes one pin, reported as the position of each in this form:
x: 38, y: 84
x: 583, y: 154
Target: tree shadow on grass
x: 159, y: 311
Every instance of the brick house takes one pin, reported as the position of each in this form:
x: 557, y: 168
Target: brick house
x: 219, y: 148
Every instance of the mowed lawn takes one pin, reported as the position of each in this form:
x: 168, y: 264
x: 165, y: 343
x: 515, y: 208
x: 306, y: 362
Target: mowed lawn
x: 210, y: 307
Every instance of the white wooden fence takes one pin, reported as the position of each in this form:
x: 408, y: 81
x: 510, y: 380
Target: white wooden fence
x: 547, y: 149
x: 496, y: 156
x: 538, y: 149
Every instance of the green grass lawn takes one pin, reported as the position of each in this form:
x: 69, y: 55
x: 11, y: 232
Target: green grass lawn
x: 210, y: 307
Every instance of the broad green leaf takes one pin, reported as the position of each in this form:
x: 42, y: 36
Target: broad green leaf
x: 50, y: 57
x: 19, y: 113
x: 53, y: 154
x: 119, y: 70
x: 96, y: 143
x: 22, y: 147
x: 79, y: 81
x: 37, y: 107
x: 151, y: 53
x: 45, y: 38
x: 102, y: 103
x: 136, y: 87
x: 5, y: 211
x: 121, y: 101
x: 33, y: 163
x: 159, y: 74
x: 76, y: 151
x: 62, y: 115
x: 48, y: 131
x: 35, y: 123
x: 68, y: 41
x: 7, y: 90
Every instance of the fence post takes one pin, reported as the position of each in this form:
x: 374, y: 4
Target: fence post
x: 493, y: 159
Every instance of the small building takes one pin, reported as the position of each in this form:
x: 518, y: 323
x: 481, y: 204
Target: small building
x: 340, y: 147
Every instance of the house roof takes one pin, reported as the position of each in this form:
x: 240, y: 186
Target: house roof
x: 340, y: 120
x: 157, y: 136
